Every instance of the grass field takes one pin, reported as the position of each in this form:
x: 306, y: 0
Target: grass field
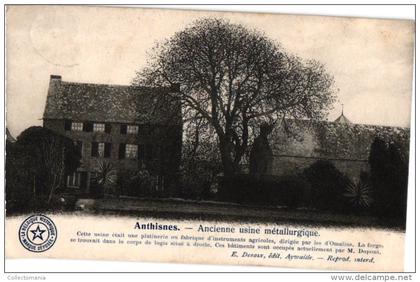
x: 174, y: 208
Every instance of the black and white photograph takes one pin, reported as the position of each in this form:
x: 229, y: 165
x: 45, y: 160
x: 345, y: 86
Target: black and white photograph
x: 160, y: 116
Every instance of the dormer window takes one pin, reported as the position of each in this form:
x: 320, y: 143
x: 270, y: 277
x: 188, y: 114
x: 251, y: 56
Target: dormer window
x: 99, y: 127
x: 76, y: 126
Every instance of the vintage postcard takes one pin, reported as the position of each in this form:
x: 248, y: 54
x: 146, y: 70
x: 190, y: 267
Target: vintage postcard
x: 170, y: 135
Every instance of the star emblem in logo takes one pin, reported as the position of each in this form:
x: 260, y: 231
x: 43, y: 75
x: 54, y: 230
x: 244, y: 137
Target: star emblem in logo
x: 37, y: 233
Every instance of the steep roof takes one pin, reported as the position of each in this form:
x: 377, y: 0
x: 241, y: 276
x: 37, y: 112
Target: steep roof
x: 342, y: 119
x: 332, y: 140
x: 109, y: 103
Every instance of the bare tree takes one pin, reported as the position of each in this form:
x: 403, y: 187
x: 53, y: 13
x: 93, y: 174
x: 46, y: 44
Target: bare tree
x: 51, y: 157
x: 233, y: 78
x: 52, y: 151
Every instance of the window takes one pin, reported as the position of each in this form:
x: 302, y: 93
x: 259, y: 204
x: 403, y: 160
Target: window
x: 159, y: 182
x: 99, y: 127
x: 129, y: 129
x: 132, y: 129
x: 77, y: 126
x: 102, y: 150
x: 73, y: 180
x: 131, y: 151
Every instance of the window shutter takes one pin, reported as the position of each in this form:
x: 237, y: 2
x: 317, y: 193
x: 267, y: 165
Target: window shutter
x: 121, y: 152
x: 140, y: 152
x: 144, y: 130
x: 95, y: 152
x: 83, y: 179
x: 80, y: 147
x: 107, y: 128
x: 123, y: 129
x: 107, y: 153
x: 67, y: 124
x: 88, y: 126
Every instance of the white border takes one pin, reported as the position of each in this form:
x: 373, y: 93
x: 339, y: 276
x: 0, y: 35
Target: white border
x: 398, y: 12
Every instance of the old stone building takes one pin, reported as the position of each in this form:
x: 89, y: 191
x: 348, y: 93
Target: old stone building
x: 129, y: 128
x: 299, y: 143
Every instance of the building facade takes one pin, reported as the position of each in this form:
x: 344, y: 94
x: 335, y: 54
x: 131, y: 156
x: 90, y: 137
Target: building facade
x: 125, y: 127
x: 297, y: 144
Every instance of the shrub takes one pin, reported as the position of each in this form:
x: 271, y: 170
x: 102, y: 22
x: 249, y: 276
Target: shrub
x: 19, y: 187
x: 195, y: 184
x: 389, y: 178
x: 328, y: 185
x: 135, y: 183
x: 104, y: 181
x: 263, y: 190
x: 36, y: 166
x: 359, y: 194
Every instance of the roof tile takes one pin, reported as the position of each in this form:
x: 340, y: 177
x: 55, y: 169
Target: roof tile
x: 109, y: 103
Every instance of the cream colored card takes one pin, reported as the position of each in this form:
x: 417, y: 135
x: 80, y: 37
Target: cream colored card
x: 209, y: 137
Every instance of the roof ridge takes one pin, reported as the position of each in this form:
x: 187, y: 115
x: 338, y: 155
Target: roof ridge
x: 107, y: 102
x: 112, y: 85
x: 352, y: 124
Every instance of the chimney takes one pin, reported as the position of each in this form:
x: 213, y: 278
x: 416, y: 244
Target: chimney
x: 55, y: 77
x: 55, y: 81
x: 175, y: 87
x: 55, y: 84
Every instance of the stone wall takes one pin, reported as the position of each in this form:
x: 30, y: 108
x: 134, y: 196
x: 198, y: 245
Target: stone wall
x: 290, y: 165
x: 299, y: 143
x: 159, y: 148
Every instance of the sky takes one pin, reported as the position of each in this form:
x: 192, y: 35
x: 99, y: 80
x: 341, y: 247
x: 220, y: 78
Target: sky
x: 371, y: 60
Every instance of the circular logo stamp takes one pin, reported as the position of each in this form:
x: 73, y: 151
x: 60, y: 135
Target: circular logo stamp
x: 37, y: 233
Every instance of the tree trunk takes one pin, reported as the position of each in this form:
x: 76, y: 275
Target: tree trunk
x: 52, y: 190
x: 230, y: 167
